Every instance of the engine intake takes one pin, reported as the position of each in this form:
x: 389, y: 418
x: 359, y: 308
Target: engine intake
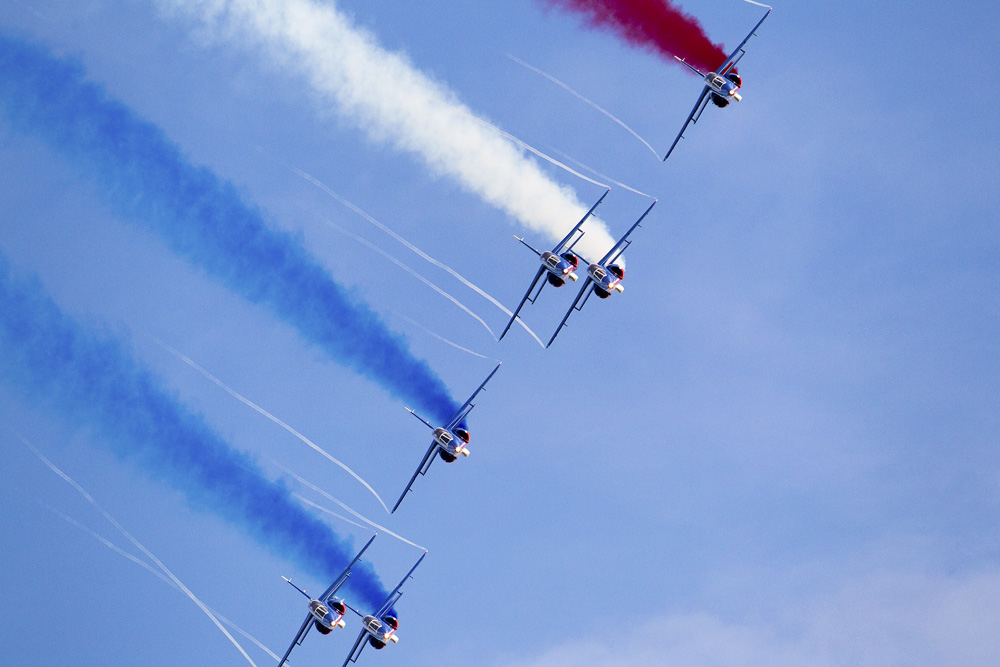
x: 735, y: 78
x: 720, y: 101
x: 555, y: 281
x: 601, y: 292
x: 447, y: 456
x: 463, y: 435
x: 322, y: 628
x: 571, y: 258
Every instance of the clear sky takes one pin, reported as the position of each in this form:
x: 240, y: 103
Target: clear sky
x: 778, y: 446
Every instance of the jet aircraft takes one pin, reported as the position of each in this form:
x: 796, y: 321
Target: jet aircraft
x: 603, y: 277
x: 721, y: 86
x: 558, y: 265
x: 449, y: 440
x: 380, y: 627
x: 327, y: 611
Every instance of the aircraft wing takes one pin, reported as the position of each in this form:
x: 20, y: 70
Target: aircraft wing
x: 394, y: 595
x: 425, y: 464
x: 699, y: 106
x: 623, y: 242
x: 588, y: 288
x: 467, y: 406
x: 299, y: 636
x: 335, y: 586
x: 565, y: 243
x: 517, y: 310
x: 736, y: 55
x: 359, y: 646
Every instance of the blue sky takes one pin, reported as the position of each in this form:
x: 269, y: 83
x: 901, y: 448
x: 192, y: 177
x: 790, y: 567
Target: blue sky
x: 778, y: 446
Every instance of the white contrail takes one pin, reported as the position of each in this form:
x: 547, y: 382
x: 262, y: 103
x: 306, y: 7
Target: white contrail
x: 442, y: 338
x: 600, y: 175
x: 177, y: 582
x: 441, y: 265
x: 267, y: 414
x: 584, y: 99
x: 152, y: 570
x: 397, y: 104
x: 342, y: 505
x: 413, y: 273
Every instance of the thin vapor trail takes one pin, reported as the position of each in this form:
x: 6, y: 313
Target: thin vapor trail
x: 584, y: 99
x: 177, y: 582
x: 152, y: 570
x: 147, y: 180
x: 394, y: 103
x: 441, y: 265
x: 87, y: 379
x: 442, y: 338
x: 329, y: 497
x: 372, y: 246
x: 242, y: 399
x: 600, y: 175
x: 532, y: 149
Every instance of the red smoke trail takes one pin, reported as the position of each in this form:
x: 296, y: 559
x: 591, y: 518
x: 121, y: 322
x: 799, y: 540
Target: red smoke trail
x: 653, y: 24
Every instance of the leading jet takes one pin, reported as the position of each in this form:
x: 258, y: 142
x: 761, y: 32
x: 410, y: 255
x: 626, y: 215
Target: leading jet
x: 721, y: 86
x: 380, y: 627
x: 557, y: 265
x: 603, y: 277
x: 327, y: 611
x: 450, y: 440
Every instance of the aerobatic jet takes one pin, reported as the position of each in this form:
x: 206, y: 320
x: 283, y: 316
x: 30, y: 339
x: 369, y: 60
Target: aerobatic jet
x: 327, y: 611
x: 603, y: 277
x: 721, y: 86
x: 380, y: 627
x: 450, y: 440
x: 557, y: 265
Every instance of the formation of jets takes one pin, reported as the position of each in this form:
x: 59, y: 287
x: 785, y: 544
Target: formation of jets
x: 558, y: 266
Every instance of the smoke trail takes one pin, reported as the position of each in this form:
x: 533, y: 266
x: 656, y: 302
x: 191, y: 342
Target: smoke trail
x: 656, y: 25
x: 394, y: 102
x: 262, y: 411
x: 91, y: 382
x: 203, y: 218
x: 149, y: 554
x: 585, y: 100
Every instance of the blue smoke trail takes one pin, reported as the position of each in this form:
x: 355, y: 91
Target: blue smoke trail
x: 89, y: 379
x: 145, y: 178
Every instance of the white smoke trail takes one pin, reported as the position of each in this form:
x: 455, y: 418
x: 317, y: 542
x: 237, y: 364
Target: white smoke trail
x: 364, y: 214
x: 413, y: 273
x: 342, y: 505
x: 177, y: 582
x: 395, y: 103
x: 267, y: 414
x: 584, y: 99
x: 152, y: 570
